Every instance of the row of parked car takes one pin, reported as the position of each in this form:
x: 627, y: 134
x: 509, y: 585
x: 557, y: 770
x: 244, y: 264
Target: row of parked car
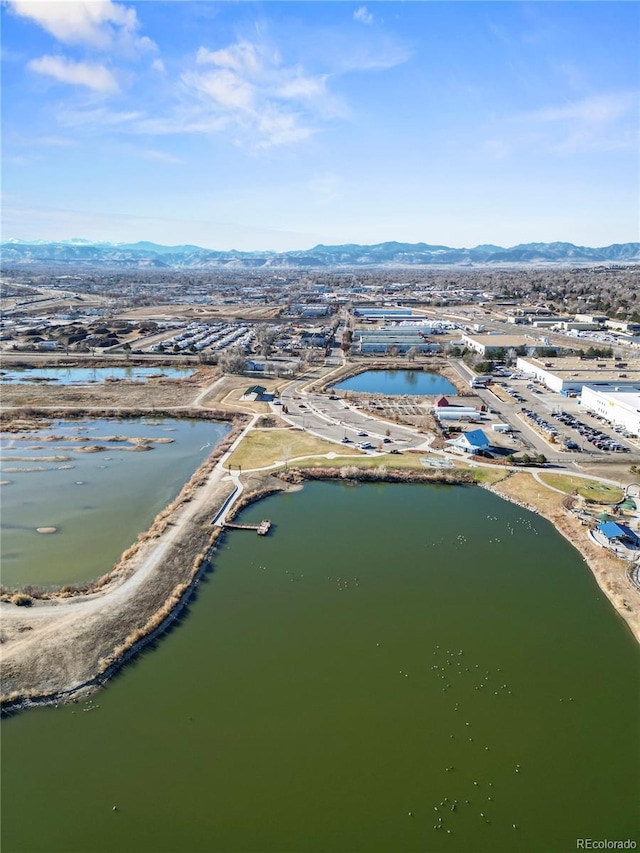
x: 513, y: 393
x: 594, y: 436
x: 543, y: 425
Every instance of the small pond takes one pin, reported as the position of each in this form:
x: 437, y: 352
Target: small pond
x: 88, y: 375
x: 397, y: 382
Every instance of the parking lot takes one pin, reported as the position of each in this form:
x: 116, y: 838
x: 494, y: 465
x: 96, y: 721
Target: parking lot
x: 593, y: 435
x: 534, y: 410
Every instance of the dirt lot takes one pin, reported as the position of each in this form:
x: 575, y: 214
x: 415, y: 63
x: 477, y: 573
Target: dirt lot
x: 618, y: 471
x: 227, y: 394
x: 203, y: 312
x: 160, y: 393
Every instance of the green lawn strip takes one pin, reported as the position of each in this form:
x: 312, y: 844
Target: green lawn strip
x: 408, y: 461
x: 588, y: 489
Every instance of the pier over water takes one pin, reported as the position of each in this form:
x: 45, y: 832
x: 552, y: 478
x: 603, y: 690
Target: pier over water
x: 261, y: 529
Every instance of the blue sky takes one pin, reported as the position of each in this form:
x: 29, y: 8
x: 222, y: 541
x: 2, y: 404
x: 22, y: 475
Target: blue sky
x: 283, y: 125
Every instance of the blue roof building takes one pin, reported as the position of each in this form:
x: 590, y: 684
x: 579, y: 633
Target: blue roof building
x: 613, y: 531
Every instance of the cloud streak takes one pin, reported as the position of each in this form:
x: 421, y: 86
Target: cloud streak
x: 603, y: 121
x: 98, y: 78
x: 101, y: 24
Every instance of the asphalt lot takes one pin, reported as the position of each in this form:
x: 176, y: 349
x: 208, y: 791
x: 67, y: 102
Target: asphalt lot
x: 335, y: 420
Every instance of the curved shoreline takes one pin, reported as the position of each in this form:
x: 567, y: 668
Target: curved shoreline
x: 432, y: 364
x: 177, y: 596
x: 159, y: 523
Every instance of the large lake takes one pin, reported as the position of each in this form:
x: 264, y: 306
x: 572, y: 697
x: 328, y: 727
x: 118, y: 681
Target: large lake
x: 395, y: 382
x: 88, y: 375
x: 99, y: 501
x: 389, y: 652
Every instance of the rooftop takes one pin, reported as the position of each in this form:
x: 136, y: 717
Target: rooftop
x: 504, y: 341
x: 603, y: 370
x: 628, y: 397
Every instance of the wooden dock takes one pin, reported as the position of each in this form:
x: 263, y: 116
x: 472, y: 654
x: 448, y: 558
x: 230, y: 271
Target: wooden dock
x: 261, y: 529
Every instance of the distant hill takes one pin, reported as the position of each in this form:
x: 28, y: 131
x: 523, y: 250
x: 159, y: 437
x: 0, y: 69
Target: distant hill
x: 78, y: 252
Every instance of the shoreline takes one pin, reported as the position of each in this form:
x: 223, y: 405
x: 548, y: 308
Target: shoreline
x: 605, y: 576
x: 609, y: 572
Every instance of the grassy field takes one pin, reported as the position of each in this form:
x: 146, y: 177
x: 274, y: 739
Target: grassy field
x: 590, y: 490
x: 404, y: 461
x: 264, y: 447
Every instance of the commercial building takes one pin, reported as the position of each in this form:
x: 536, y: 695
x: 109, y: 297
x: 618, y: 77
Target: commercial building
x: 567, y: 375
x: 619, y: 405
x: 366, y: 313
x: 398, y: 339
x: 488, y: 345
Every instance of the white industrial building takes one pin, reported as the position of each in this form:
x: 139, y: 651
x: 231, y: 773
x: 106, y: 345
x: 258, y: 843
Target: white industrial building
x: 566, y: 375
x: 456, y: 413
x: 389, y: 338
x: 490, y: 344
x: 619, y: 405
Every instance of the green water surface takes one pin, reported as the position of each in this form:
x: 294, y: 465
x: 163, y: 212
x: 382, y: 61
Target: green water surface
x: 387, y: 652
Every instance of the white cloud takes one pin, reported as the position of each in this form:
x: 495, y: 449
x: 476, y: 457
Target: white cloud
x: 598, y: 122
x: 245, y: 90
x: 95, y: 77
x: 99, y: 23
x: 363, y: 15
x: 242, y: 57
x: 224, y: 87
x: 303, y: 88
x: 594, y: 110
x: 246, y: 86
x: 277, y: 128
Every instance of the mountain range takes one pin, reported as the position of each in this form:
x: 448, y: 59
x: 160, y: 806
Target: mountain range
x: 79, y: 252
